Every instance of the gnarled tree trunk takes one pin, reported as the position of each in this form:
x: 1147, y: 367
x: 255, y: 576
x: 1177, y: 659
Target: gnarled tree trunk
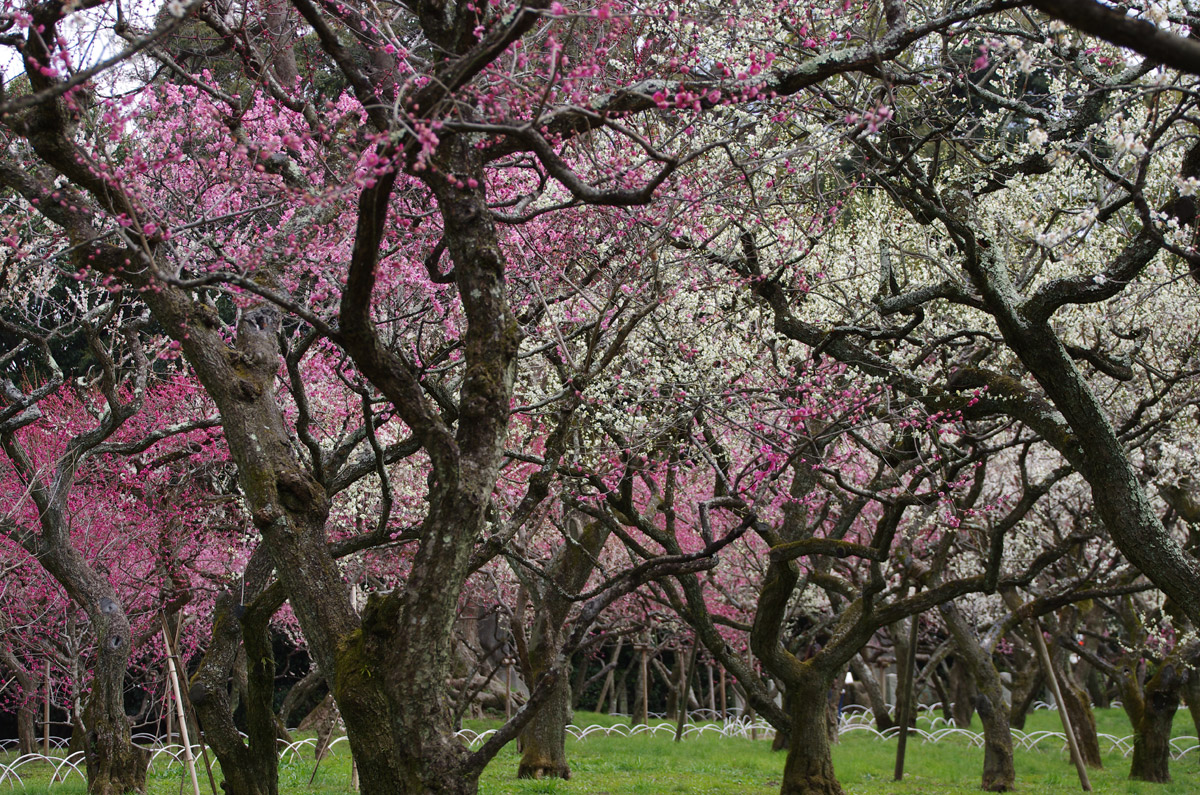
x: 999, y: 775
x: 251, y: 766
x: 1151, y: 709
x: 544, y: 740
x: 809, y: 766
x: 1083, y: 720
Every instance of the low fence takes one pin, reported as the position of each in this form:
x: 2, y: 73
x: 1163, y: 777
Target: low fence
x: 700, y: 723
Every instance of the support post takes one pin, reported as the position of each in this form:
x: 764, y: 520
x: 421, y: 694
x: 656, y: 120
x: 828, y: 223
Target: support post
x: 1039, y: 643
x: 1052, y: 678
x: 46, y: 715
x: 689, y: 673
x: 906, y: 687
x: 724, y: 703
x: 508, y: 664
x: 173, y: 676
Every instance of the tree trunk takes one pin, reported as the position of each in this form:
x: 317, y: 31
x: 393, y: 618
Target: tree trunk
x: 862, y: 672
x: 250, y: 767
x: 809, y: 766
x: 1151, y: 712
x: 1083, y: 721
x: 27, y: 707
x: 302, y: 695
x: 1191, y: 694
x: 114, y: 764
x: 962, y: 694
x: 544, y: 741
x: 999, y: 775
x: 1152, y: 746
x: 26, y: 731
x: 1028, y: 682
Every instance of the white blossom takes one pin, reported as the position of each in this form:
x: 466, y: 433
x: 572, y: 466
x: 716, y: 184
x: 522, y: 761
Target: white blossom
x: 1025, y: 61
x: 1187, y: 187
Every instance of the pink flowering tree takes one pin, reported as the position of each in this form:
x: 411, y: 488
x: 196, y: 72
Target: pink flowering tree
x: 83, y: 472
x: 391, y: 183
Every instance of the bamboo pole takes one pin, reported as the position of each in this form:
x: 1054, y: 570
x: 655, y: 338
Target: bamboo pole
x: 1039, y: 643
x: 909, y: 672
x: 1072, y: 741
x: 173, y: 676
x: 684, y: 686
x: 724, y: 703
x: 46, y: 715
x: 190, y: 710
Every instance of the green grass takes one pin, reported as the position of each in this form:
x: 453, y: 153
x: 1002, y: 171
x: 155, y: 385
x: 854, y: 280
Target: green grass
x: 712, y: 765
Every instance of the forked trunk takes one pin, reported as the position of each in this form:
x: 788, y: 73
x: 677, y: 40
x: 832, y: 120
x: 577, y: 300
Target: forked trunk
x: 1151, y: 709
x: 544, y: 741
x: 250, y: 765
x: 809, y: 766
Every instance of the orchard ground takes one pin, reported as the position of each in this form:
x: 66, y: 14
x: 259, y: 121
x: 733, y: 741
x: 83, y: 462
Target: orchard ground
x: 713, y: 765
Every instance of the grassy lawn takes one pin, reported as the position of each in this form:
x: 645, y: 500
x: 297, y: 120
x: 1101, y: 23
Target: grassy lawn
x: 710, y: 764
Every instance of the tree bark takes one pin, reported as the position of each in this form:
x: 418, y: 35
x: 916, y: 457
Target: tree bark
x: 114, y: 764
x: 1083, y: 720
x: 26, y: 732
x: 1023, y: 696
x: 809, y: 766
x: 1151, y: 709
x: 862, y: 673
x: 544, y: 740
x: 250, y: 766
x: 962, y: 693
x: 999, y: 774
x: 26, y: 708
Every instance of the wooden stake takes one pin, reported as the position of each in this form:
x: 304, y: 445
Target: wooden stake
x: 684, y: 686
x: 1039, y: 643
x: 909, y: 673
x: 507, y: 688
x: 645, y: 689
x: 173, y: 676
x: 190, y: 710
x: 1072, y: 742
x: 748, y: 708
x: 46, y: 715
x: 724, y: 703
